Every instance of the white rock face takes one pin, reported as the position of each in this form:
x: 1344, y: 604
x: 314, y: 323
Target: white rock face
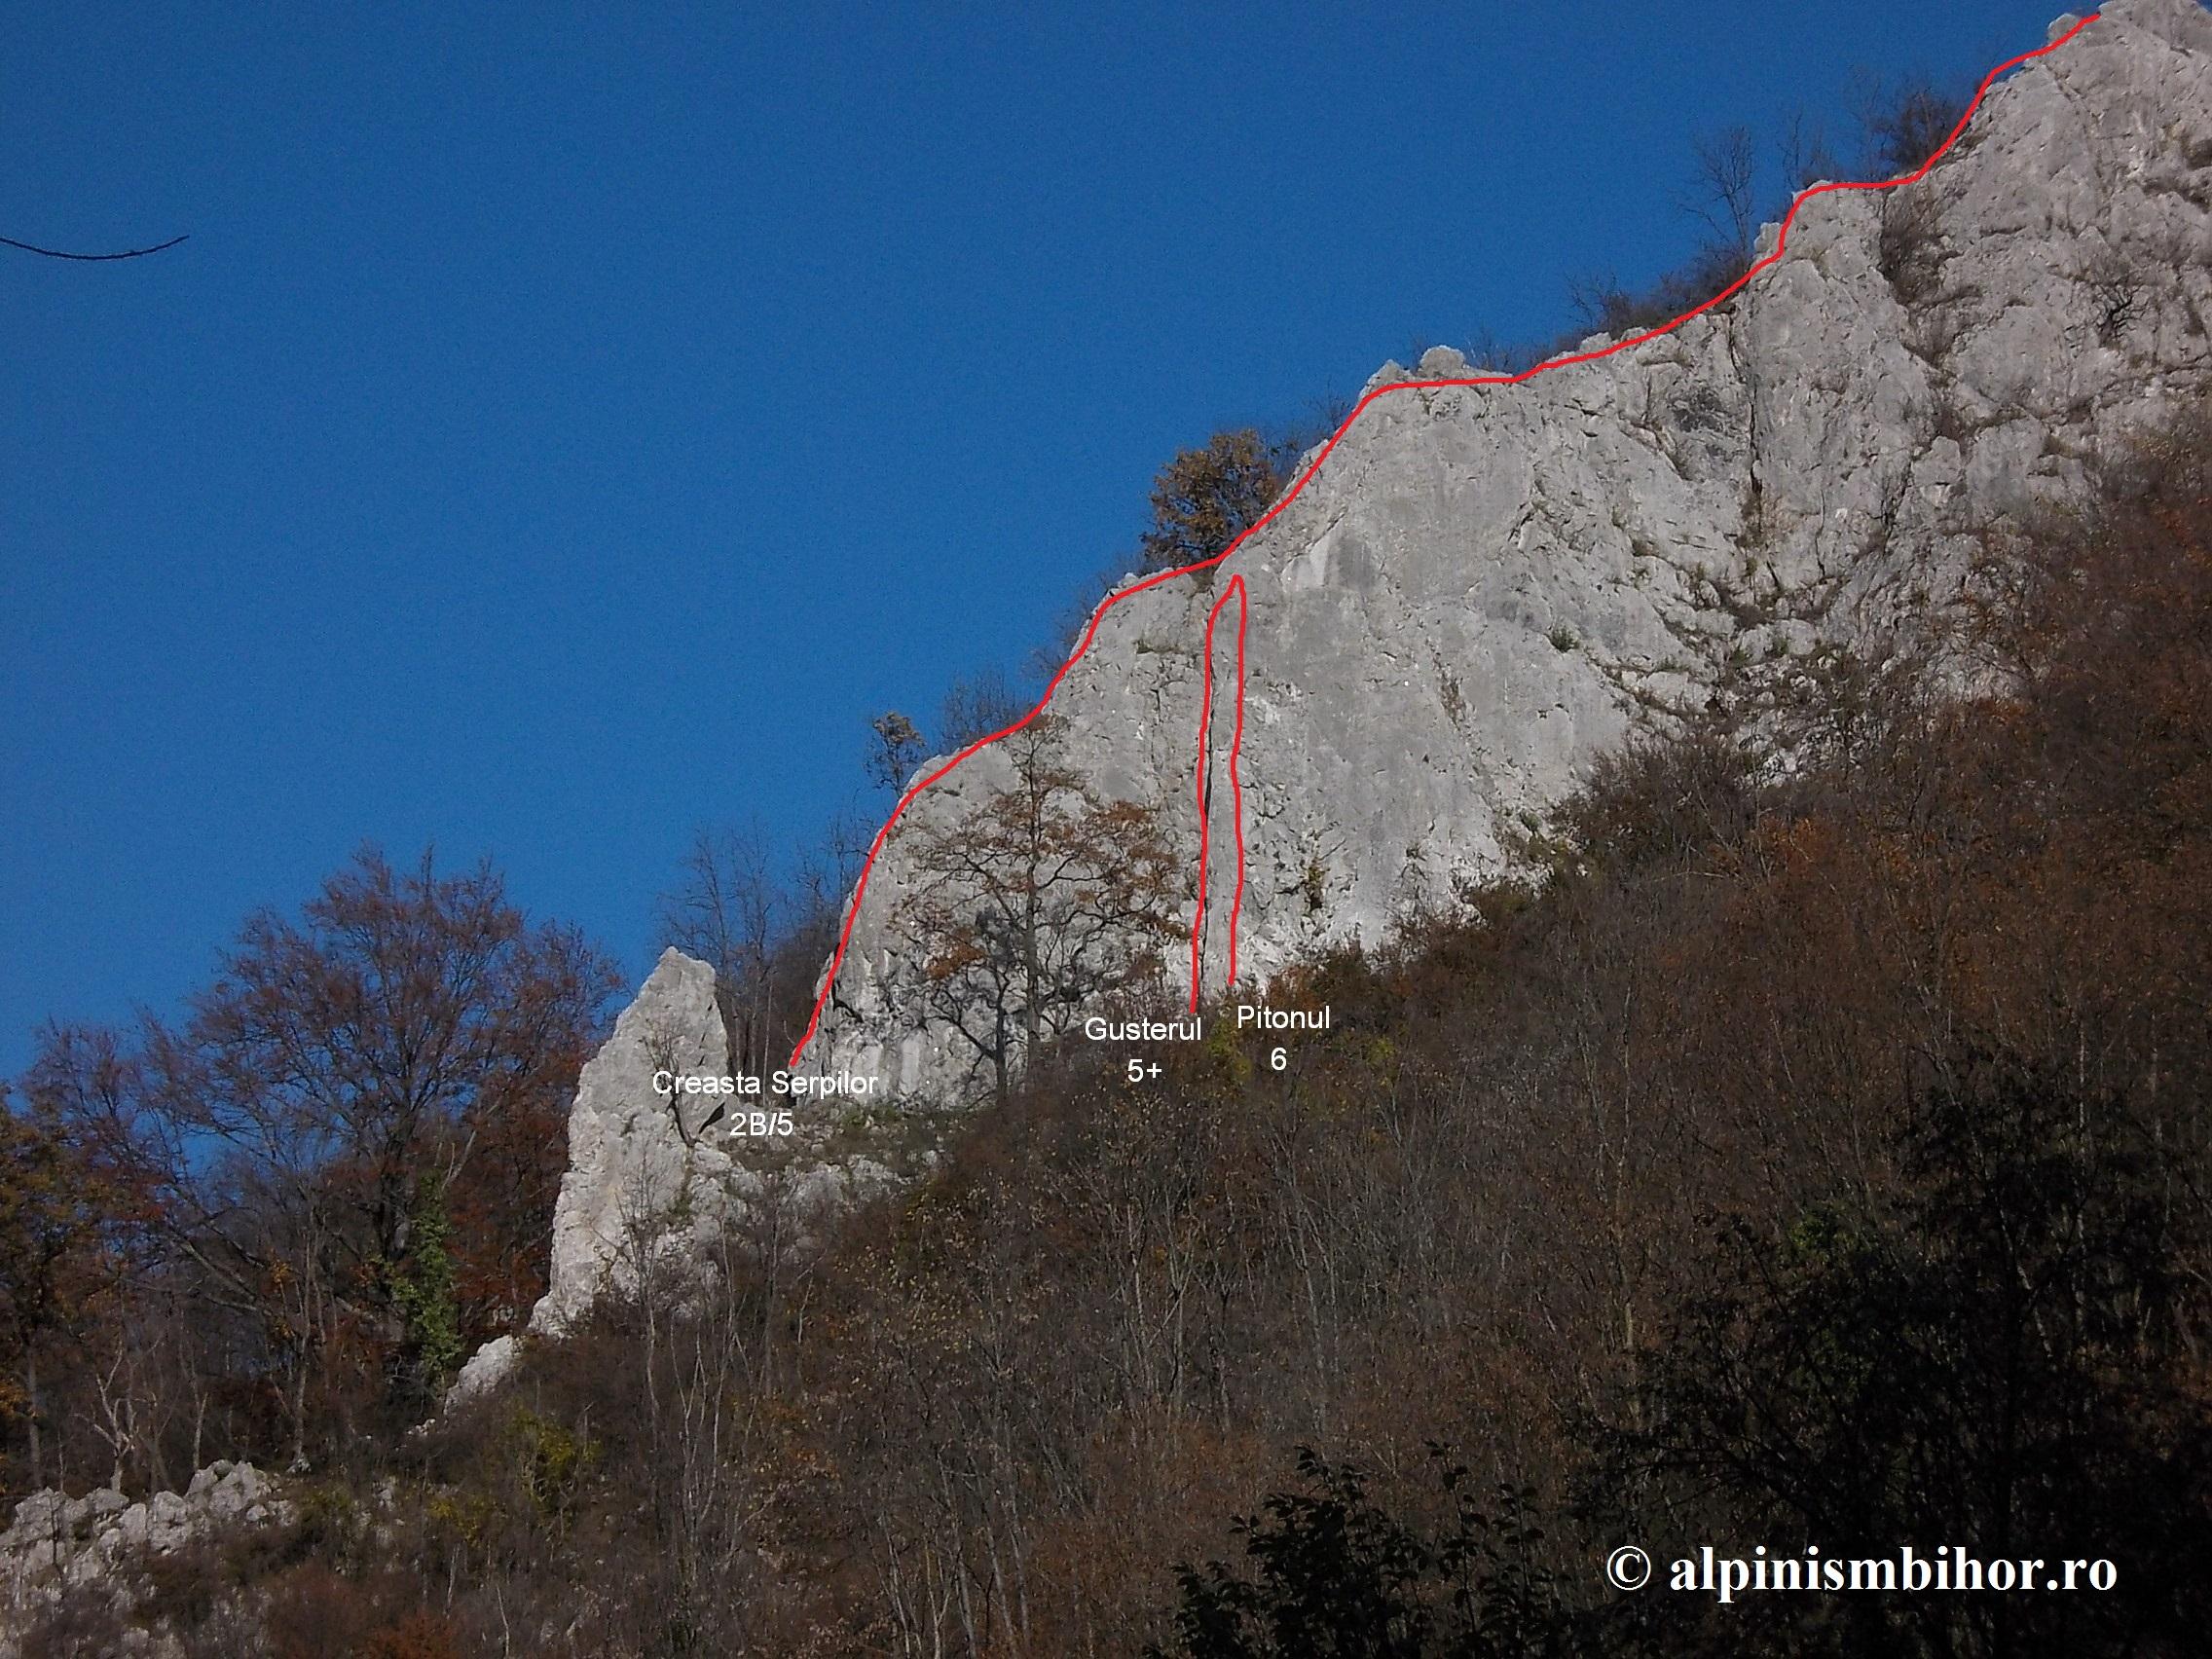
x: 636, y: 1163
x: 57, y: 1542
x: 633, y: 1156
x: 1485, y: 588
x: 649, y: 1179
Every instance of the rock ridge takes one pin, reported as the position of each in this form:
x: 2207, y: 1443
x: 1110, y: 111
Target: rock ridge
x: 1484, y: 588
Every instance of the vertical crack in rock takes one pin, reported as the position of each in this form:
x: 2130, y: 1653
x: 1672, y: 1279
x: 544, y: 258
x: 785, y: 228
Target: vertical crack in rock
x: 1485, y: 589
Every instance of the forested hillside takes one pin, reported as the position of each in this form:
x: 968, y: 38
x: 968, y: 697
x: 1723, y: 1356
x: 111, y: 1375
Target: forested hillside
x: 1815, y: 1152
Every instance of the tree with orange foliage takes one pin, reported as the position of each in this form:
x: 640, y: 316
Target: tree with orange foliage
x: 1207, y: 497
x: 54, y: 1212
x: 395, y: 1041
x: 1047, y: 900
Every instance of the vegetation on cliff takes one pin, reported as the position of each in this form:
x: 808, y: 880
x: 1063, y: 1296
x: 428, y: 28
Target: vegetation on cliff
x: 1815, y: 1152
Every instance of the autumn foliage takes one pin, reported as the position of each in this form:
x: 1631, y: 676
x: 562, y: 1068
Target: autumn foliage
x: 1808, y: 1152
x: 324, y: 1186
x: 1206, y: 497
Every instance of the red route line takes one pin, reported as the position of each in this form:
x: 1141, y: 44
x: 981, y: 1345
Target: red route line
x: 1236, y: 591
x: 1298, y: 485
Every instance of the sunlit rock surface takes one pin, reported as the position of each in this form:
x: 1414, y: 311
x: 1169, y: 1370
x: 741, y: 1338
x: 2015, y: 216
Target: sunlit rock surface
x: 651, y: 1179
x: 55, y: 1543
x: 1485, y: 588
x: 1482, y: 589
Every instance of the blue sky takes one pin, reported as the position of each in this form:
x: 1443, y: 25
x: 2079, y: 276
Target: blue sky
x: 568, y: 425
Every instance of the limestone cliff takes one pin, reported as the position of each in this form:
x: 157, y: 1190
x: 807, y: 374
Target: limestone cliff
x: 651, y: 1183
x: 1482, y: 589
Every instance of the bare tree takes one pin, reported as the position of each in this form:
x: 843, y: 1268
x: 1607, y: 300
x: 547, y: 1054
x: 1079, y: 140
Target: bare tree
x: 728, y: 911
x: 764, y: 931
x: 1806, y: 158
x: 279, y: 1139
x: 1906, y: 123
x: 1043, y: 901
x: 1725, y: 197
x: 978, y: 706
x: 894, y: 749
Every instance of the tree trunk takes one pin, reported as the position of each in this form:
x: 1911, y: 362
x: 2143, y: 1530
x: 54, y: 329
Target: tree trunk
x: 30, y: 1413
x: 299, y: 1462
x: 1033, y: 975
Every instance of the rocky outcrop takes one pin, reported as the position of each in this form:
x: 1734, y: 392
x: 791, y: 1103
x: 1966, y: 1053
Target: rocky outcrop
x: 637, y: 1165
x: 1482, y: 589
x: 636, y: 1158
x: 57, y: 1543
x: 654, y: 1179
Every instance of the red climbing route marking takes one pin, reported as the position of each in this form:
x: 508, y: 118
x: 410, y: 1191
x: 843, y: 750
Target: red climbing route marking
x: 1298, y: 485
x: 1236, y: 591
